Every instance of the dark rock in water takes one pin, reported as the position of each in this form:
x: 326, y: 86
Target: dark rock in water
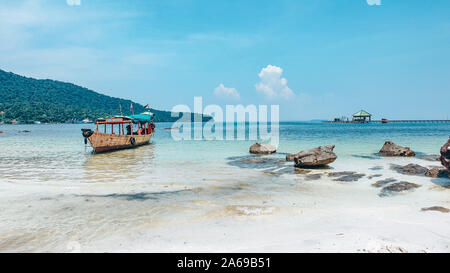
x: 252, y: 160
x: 24, y: 131
x: 256, y: 162
x: 301, y: 171
x: 412, y: 169
x: 374, y: 175
x: 437, y: 208
x: 261, y: 160
x: 350, y: 177
x: 341, y: 173
x: 262, y: 148
x: 1, y: 132
x: 290, y: 157
x: 319, y: 156
x: 430, y: 157
x: 384, y: 182
x: 437, y: 172
x: 313, y: 177
x: 398, y: 187
x: 373, y: 157
x: 445, y: 155
x: 346, y: 176
x: 391, y: 149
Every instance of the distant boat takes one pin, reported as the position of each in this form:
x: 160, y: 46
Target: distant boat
x: 106, y: 139
x: 73, y: 122
x: 383, y: 120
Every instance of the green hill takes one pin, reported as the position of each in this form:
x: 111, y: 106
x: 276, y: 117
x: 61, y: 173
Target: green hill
x: 27, y: 100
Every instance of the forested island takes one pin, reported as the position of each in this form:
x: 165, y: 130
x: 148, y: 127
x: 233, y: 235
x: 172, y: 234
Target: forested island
x: 28, y: 100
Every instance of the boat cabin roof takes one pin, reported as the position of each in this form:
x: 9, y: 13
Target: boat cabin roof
x: 141, y: 118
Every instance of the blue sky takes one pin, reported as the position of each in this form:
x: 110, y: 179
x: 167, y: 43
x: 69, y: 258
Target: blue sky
x: 317, y: 59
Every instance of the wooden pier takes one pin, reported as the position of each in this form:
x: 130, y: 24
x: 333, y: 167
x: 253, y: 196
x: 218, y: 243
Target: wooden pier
x: 394, y: 121
x: 363, y: 116
x: 413, y: 121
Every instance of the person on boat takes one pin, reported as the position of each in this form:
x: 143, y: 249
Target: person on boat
x: 128, y: 129
x: 152, y: 124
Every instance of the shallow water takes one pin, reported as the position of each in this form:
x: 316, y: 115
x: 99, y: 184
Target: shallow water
x: 58, y: 196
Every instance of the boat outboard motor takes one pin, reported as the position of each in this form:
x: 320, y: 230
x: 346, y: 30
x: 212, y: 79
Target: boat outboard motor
x: 86, y: 134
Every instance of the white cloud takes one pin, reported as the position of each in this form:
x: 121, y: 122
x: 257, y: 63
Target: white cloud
x: 374, y: 2
x: 73, y: 2
x: 272, y: 85
x: 226, y: 92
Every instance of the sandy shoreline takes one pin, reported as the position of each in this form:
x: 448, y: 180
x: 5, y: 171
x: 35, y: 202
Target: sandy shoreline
x: 251, y: 210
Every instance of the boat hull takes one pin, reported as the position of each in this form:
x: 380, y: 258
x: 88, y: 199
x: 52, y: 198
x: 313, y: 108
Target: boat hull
x: 101, y: 142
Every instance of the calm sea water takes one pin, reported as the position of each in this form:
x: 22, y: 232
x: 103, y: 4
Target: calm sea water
x: 53, y: 190
x: 57, y: 153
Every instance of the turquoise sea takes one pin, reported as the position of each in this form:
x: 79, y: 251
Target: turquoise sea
x: 57, y: 152
x: 56, y: 195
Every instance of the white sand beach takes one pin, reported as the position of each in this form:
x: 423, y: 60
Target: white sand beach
x: 230, y: 209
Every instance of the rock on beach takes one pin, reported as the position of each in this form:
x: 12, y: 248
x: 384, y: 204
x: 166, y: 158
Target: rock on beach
x: 319, y: 156
x: 445, y: 155
x: 262, y: 148
x: 391, y: 149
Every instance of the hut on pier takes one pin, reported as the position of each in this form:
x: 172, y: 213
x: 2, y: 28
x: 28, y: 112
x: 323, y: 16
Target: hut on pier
x: 362, y: 117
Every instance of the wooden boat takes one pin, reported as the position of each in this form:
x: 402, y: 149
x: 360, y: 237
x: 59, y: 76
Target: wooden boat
x: 118, y: 132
